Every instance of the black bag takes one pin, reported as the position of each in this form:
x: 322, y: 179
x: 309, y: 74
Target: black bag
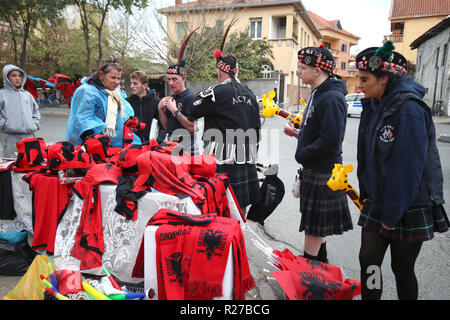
x: 15, y: 258
x: 272, y: 192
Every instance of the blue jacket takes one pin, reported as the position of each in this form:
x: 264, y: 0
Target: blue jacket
x: 398, y: 161
x: 88, y: 112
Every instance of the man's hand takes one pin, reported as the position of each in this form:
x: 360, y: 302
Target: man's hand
x: 290, y: 130
x: 172, y: 105
x: 386, y: 227
x: 162, y: 106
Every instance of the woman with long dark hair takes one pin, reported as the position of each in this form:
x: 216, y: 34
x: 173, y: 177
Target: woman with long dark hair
x: 99, y: 107
x: 399, y: 171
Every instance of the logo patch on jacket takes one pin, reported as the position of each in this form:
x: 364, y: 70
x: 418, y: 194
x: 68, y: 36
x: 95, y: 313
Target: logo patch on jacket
x: 387, y: 133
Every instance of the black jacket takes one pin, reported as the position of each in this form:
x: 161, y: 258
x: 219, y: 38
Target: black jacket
x: 145, y: 109
x: 229, y: 106
x: 319, y: 145
x: 398, y: 160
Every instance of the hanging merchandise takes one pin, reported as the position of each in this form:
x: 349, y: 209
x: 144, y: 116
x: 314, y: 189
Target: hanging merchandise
x: 192, y: 251
x: 50, y: 202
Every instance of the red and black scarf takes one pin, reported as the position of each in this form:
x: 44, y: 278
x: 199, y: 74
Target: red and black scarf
x: 306, y: 279
x: 89, y: 245
x: 192, y: 252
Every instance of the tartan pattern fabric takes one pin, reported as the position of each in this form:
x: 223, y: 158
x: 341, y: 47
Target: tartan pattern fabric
x: 244, y: 182
x: 385, y: 67
x: 416, y: 224
x: 323, y: 212
x: 225, y: 67
x: 175, y: 69
x: 313, y: 57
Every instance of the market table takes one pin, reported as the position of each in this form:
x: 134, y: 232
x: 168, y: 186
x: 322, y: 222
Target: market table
x: 122, y: 237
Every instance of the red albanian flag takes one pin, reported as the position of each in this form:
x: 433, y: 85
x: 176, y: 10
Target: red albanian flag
x: 306, y: 279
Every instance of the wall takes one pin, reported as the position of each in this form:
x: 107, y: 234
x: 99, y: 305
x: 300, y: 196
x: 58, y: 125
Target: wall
x: 413, y: 29
x: 435, y: 75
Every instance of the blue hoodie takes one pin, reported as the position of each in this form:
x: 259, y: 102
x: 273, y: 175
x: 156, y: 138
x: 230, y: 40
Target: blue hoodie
x: 394, y: 146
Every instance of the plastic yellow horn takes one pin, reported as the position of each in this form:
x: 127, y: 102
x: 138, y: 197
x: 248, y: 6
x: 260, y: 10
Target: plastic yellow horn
x: 339, y: 181
x: 270, y: 108
x: 97, y: 295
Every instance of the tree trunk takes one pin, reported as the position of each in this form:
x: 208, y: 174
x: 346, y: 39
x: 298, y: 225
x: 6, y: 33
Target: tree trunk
x: 99, y: 28
x: 26, y: 34
x: 13, y: 38
x: 85, y: 28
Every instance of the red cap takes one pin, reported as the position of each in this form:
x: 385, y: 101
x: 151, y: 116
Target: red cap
x: 145, y: 169
x: 103, y: 172
x: 31, y: 155
x: 203, y: 165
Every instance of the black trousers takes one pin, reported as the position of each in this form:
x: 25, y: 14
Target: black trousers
x: 403, y: 259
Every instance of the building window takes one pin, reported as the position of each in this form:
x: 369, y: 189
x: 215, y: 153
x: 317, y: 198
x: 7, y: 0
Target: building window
x: 180, y: 31
x: 327, y: 45
x: 266, y: 71
x: 344, y: 47
x: 256, y: 28
x: 343, y: 65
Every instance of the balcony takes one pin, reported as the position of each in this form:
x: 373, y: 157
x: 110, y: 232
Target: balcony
x: 395, y: 37
x: 334, y: 52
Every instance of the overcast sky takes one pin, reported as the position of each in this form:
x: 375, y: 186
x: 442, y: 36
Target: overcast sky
x: 368, y: 19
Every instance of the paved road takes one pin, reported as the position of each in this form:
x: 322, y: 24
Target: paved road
x: 281, y: 228
x: 433, y: 263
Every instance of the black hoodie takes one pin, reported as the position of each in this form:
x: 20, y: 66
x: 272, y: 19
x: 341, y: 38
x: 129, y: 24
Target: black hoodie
x: 145, y: 109
x: 320, y: 139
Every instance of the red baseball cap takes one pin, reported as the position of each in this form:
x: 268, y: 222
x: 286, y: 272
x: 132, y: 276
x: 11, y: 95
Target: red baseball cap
x: 103, y: 172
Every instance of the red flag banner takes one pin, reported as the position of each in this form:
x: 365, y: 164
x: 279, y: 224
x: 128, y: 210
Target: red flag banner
x: 307, y: 279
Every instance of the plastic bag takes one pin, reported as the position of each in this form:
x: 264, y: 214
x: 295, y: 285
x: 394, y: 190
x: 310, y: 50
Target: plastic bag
x: 296, y: 184
x: 30, y: 287
x: 16, y: 254
x: 68, y: 274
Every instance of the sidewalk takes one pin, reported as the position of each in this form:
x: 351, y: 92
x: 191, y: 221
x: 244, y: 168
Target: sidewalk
x: 62, y: 111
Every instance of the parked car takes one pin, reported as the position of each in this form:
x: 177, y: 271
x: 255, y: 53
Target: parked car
x: 354, y: 106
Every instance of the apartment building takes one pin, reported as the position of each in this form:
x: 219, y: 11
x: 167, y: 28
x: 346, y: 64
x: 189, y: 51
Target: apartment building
x: 286, y: 24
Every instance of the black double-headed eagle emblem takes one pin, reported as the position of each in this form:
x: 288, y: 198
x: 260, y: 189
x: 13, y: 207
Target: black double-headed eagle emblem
x: 173, y: 264
x: 212, y: 241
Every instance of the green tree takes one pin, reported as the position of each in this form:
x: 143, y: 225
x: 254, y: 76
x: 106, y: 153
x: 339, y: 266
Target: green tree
x: 201, y: 63
x: 22, y: 16
x: 93, y: 14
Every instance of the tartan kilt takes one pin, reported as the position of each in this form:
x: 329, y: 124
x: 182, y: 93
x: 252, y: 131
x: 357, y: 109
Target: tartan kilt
x: 244, y: 181
x: 324, y: 211
x: 415, y: 225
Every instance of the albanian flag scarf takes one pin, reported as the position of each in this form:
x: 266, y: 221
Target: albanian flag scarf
x: 192, y: 253
x: 306, y: 279
x: 206, y: 253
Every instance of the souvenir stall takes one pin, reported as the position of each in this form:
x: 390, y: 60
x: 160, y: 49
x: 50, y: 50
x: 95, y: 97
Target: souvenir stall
x: 106, y: 213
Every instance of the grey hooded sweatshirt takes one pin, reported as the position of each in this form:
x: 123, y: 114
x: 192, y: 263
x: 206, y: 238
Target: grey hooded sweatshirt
x: 19, y: 112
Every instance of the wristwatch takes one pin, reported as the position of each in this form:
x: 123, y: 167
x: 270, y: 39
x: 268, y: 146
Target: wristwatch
x: 176, y: 113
